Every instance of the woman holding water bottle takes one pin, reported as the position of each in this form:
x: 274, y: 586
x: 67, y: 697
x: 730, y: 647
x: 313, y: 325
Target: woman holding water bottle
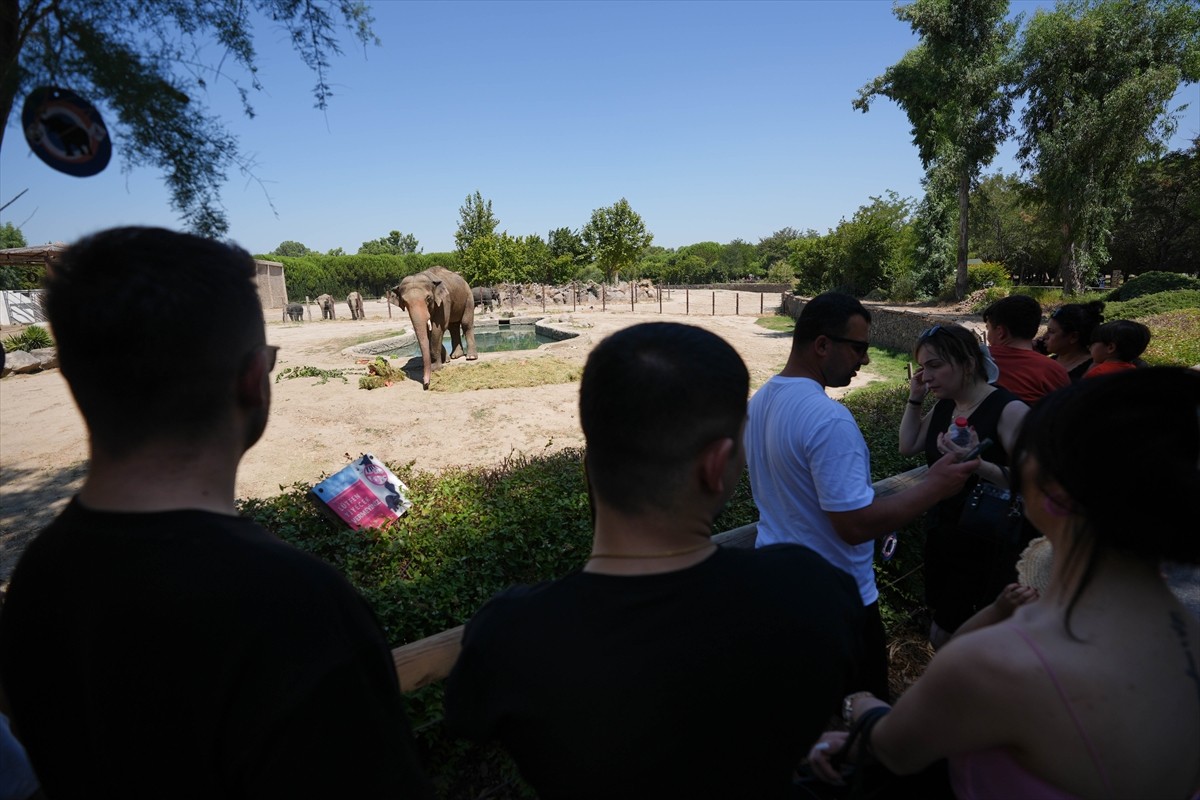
x: 963, y: 573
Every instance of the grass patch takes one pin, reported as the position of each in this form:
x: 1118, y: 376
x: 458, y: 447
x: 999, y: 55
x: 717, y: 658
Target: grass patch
x: 1176, y: 338
x: 509, y: 374
x: 776, y: 322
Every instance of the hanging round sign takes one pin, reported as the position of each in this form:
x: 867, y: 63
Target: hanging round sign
x: 66, y: 131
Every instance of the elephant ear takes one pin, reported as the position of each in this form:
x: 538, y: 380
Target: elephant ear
x: 441, y: 293
x: 398, y: 298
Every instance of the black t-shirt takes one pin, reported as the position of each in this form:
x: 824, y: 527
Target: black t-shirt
x: 188, y: 654
x: 709, y: 682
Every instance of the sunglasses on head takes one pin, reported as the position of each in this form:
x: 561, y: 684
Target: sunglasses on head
x: 925, y: 334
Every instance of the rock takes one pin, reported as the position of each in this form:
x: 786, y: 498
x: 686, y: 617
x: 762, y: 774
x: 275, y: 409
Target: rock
x: 48, y: 356
x: 22, y: 363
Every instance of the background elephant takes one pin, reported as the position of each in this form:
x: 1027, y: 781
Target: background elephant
x: 325, y: 301
x: 484, y: 296
x: 438, y: 300
x: 354, y: 300
x: 295, y: 311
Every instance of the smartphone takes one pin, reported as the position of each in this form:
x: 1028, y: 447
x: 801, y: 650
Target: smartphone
x: 979, y: 448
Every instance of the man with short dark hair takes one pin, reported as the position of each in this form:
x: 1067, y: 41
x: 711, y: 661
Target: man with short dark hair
x: 1012, y: 324
x: 810, y: 470
x: 153, y: 643
x: 667, y: 667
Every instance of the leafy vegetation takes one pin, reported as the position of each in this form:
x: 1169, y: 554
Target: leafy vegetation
x: 1152, y: 283
x: 32, y: 338
x: 311, y: 372
x: 1175, y: 339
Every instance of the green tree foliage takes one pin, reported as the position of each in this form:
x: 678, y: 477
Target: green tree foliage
x: 290, y: 248
x: 1008, y: 225
x: 140, y: 63
x: 616, y: 237
x: 738, y: 260
x: 395, y: 243
x: 475, y: 219
x: 1162, y: 228
x: 11, y: 236
x: 953, y: 87
x: 1098, y: 78
x: 370, y: 275
x: 775, y: 247
x: 14, y: 277
x: 860, y: 255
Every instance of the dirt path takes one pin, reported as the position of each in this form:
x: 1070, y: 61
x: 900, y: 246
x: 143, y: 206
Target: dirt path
x: 315, y: 428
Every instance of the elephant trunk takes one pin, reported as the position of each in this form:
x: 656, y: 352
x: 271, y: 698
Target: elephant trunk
x: 418, y: 314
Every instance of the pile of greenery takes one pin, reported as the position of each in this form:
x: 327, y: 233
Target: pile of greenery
x: 32, y: 338
x: 311, y: 372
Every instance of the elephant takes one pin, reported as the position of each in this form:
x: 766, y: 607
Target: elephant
x: 295, y: 311
x: 438, y: 300
x: 354, y: 300
x: 484, y: 296
x: 325, y: 301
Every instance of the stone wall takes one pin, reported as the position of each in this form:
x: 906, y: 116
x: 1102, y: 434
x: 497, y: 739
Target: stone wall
x: 891, y: 328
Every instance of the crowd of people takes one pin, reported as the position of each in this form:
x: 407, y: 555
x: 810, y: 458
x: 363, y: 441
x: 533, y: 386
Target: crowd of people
x: 155, y: 644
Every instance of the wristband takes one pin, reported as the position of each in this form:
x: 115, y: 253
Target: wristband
x: 912, y: 402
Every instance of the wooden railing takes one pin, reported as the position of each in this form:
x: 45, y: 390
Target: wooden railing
x: 429, y: 660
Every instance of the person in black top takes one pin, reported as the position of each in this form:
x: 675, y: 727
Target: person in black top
x: 666, y: 667
x: 152, y: 643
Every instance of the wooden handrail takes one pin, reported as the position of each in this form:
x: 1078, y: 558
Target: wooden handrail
x: 427, y: 661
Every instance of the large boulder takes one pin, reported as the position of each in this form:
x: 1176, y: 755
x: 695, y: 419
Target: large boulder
x: 20, y: 362
x: 47, y: 356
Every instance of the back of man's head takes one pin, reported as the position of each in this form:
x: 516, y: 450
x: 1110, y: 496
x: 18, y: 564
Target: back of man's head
x: 827, y: 315
x: 1019, y: 313
x: 152, y: 329
x: 652, y: 397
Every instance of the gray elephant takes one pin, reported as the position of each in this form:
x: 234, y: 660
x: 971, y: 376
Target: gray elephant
x: 438, y: 300
x: 484, y: 296
x: 325, y: 301
x: 295, y: 311
x: 354, y: 300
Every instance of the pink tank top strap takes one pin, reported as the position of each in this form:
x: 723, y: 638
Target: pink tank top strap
x: 1087, y: 742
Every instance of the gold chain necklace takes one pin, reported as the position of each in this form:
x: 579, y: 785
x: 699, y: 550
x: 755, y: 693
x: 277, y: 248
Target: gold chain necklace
x: 664, y: 554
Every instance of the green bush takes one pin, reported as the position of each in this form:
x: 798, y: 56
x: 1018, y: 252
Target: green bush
x: 1152, y: 283
x: 987, y: 275
x: 1151, y: 304
x: 32, y: 338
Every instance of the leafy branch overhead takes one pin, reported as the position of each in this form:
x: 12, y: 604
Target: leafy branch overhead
x: 144, y: 64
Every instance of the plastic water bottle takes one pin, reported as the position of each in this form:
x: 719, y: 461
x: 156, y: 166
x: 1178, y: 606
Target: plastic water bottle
x: 960, y: 432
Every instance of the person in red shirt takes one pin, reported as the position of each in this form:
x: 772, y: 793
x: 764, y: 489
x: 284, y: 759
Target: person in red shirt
x: 1012, y: 323
x: 1116, y: 346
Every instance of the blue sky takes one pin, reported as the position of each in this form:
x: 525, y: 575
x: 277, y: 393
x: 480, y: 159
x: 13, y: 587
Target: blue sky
x: 715, y: 120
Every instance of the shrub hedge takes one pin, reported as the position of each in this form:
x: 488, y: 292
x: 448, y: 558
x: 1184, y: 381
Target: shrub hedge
x: 1152, y: 283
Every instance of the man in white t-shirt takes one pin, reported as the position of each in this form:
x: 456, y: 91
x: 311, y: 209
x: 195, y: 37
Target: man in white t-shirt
x: 810, y: 470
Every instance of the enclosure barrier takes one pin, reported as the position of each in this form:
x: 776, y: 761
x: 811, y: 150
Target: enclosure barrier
x: 427, y: 661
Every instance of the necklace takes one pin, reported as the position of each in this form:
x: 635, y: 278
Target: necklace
x: 966, y: 412
x: 663, y: 554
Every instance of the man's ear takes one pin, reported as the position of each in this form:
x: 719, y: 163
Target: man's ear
x: 714, y: 464
x: 253, y: 385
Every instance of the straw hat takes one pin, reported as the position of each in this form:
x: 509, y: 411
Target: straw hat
x: 1035, y: 563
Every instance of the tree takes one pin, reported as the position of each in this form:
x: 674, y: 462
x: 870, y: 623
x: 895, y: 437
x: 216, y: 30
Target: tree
x: 1009, y: 226
x: 475, y: 219
x: 140, y: 61
x: 616, y: 237
x: 11, y: 236
x: 1098, y: 78
x: 775, y: 247
x: 291, y: 248
x: 953, y: 87
x: 1162, y: 229
x: 17, y: 277
x: 395, y: 243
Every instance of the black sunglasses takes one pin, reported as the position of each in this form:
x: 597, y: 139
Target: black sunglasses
x: 859, y: 345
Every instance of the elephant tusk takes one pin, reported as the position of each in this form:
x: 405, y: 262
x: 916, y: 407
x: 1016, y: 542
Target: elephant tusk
x: 429, y: 325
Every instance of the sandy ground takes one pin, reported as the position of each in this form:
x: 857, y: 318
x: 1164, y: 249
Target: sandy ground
x: 316, y: 428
